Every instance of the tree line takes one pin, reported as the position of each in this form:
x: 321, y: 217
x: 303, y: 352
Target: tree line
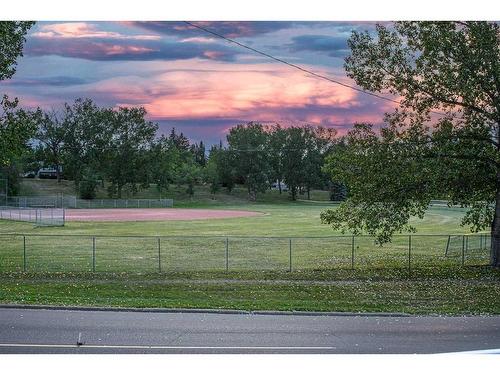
x: 119, y: 148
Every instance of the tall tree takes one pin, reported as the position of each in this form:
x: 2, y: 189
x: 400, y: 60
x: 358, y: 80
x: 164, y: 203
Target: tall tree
x: 319, y: 142
x: 294, y: 152
x: 248, y: 144
x: 210, y: 173
x: 51, y: 133
x: 88, y: 135
x: 277, y: 154
x: 126, y: 154
x: 17, y: 127
x: 12, y: 38
x: 179, y: 140
x: 442, y: 140
x: 190, y: 174
x: 198, y: 151
x: 225, y: 161
x: 164, y: 163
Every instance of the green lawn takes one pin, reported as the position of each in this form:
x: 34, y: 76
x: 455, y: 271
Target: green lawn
x: 59, y: 269
x: 278, y: 219
x: 285, y: 233
x: 449, y: 291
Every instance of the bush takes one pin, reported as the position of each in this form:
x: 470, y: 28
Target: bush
x: 11, y: 173
x: 87, y: 188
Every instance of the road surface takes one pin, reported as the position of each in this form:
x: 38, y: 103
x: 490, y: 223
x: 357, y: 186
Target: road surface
x: 58, y: 331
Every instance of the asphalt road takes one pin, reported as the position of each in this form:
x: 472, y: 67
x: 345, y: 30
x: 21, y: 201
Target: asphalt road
x: 57, y: 331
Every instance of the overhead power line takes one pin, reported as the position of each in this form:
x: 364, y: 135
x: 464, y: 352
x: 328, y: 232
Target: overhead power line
x: 295, y: 66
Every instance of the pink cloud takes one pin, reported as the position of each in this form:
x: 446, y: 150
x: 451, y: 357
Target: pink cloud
x: 119, y: 50
x: 198, y: 40
x: 235, y: 91
x: 199, y: 90
x: 84, y: 30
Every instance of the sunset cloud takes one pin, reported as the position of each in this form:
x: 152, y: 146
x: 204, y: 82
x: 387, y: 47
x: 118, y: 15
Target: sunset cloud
x: 103, y: 49
x: 195, y: 81
x: 238, y: 91
x: 230, y: 29
x: 84, y: 30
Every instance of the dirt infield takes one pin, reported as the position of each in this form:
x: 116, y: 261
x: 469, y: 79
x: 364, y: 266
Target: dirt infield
x: 152, y: 214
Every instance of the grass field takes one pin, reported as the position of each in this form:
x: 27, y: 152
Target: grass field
x: 266, y: 242
x: 472, y: 291
x: 59, y: 269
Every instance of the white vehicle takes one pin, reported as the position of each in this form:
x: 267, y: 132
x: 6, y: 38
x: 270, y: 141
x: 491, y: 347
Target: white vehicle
x: 276, y: 186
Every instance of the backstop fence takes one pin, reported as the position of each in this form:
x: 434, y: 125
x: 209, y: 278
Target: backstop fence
x: 150, y: 254
x: 71, y: 201
x: 46, y: 216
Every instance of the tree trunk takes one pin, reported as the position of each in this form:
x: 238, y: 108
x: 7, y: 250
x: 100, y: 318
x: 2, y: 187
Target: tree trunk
x: 308, y: 193
x: 56, y: 159
x: 279, y: 185
x: 495, y: 232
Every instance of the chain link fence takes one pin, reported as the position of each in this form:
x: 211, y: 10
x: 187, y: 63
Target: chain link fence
x: 122, y: 203
x: 37, y: 216
x: 71, y: 201
x: 148, y: 254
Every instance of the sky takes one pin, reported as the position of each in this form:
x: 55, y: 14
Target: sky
x: 193, y: 81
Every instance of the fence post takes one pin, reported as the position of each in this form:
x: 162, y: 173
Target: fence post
x: 227, y: 254
x: 290, y: 253
x: 159, y: 255
x: 24, y: 253
x: 409, y: 254
x: 352, y: 253
x: 463, y: 250
x: 93, y: 254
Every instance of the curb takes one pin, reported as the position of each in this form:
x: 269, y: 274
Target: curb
x: 202, y: 311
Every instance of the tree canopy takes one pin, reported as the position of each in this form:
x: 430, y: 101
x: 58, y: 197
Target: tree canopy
x: 12, y: 38
x: 441, y: 141
x: 16, y: 125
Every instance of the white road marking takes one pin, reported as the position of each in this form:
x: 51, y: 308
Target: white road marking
x: 167, y: 347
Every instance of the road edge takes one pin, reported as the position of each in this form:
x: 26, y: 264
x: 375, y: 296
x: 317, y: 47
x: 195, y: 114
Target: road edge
x: 202, y: 311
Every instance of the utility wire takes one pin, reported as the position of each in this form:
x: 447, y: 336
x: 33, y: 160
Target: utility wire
x: 307, y: 71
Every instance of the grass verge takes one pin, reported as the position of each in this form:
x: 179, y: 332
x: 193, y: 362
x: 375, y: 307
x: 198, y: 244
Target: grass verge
x: 469, y: 290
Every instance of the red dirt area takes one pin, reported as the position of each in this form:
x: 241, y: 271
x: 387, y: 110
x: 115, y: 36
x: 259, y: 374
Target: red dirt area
x: 151, y: 214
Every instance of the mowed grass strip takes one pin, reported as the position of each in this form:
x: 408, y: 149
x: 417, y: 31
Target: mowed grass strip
x: 450, y: 296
